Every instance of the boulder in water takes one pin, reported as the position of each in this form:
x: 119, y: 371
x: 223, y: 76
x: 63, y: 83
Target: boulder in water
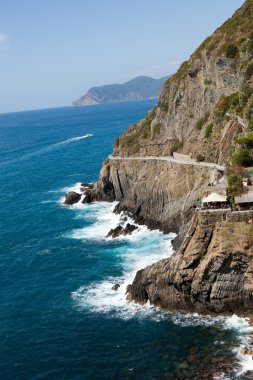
x: 115, y: 232
x: 119, y: 230
x: 72, y: 197
x: 116, y: 287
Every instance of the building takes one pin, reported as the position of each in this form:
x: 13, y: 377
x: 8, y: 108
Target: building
x: 215, y: 201
x: 245, y: 201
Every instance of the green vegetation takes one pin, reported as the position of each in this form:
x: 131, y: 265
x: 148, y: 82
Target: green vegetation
x: 242, y: 157
x: 246, y: 142
x: 227, y: 103
x: 209, y: 130
x: 146, y: 130
x: 208, y: 82
x: 164, y: 106
x: 200, y: 157
x: 235, y: 186
x: 231, y: 51
x: 177, y: 144
x: 202, y: 122
x: 156, y: 129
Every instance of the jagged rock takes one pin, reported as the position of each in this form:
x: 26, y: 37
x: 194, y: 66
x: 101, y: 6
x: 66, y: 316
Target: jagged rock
x: 120, y: 231
x: 210, y: 273
x: 115, y: 232
x: 193, y: 72
x: 116, y: 287
x: 129, y: 229
x: 71, y: 198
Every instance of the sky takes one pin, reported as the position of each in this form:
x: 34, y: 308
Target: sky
x: 53, y: 51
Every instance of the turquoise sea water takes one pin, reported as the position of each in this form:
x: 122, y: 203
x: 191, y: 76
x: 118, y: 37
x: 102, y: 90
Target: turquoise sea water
x: 59, y: 318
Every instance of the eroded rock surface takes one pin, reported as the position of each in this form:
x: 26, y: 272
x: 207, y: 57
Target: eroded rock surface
x: 212, y: 272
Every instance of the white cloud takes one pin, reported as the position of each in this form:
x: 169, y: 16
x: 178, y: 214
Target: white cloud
x: 4, y: 45
x: 158, y: 70
x: 4, y: 38
x: 173, y: 63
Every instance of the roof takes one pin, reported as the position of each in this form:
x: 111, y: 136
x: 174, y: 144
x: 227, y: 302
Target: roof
x: 214, y: 198
x: 245, y: 198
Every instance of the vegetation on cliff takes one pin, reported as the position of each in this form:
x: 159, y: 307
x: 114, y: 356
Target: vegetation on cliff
x: 198, y: 104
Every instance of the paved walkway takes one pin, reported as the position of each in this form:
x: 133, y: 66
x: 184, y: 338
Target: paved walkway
x: 169, y: 159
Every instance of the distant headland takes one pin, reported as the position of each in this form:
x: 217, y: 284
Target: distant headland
x: 139, y: 88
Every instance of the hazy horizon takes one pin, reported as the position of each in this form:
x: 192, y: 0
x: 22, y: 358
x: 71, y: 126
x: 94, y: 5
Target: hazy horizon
x: 51, y: 54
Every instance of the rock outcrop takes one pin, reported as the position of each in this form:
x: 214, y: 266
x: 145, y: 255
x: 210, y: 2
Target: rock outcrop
x: 122, y: 231
x: 103, y: 190
x: 212, y: 272
x: 71, y: 198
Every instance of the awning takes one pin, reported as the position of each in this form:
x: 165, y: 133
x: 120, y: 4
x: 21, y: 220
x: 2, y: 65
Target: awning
x: 245, y: 198
x: 214, y: 198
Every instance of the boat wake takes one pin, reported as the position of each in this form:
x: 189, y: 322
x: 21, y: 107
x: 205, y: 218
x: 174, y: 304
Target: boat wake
x: 47, y: 149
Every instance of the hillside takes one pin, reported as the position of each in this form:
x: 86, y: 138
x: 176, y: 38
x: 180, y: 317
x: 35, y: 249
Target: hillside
x: 139, y: 88
x: 192, y: 113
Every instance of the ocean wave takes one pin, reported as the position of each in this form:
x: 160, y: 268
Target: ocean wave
x: 143, y: 248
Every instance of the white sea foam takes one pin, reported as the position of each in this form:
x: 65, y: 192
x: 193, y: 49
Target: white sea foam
x: 145, y: 247
x: 245, y: 330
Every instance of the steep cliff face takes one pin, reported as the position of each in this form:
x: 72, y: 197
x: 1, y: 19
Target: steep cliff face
x: 158, y: 193
x: 211, y: 273
x: 191, y: 115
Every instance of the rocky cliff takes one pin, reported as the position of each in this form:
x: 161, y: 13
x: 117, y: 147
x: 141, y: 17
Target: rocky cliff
x: 211, y: 273
x: 197, y: 114
x: 192, y: 112
x: 201, y: 111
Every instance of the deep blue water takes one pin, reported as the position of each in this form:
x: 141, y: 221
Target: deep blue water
x: 59, y: 317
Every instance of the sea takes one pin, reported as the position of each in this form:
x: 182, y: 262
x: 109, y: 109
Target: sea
x: 59, y: 317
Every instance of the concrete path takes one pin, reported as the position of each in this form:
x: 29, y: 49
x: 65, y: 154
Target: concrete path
x: 169, y: 159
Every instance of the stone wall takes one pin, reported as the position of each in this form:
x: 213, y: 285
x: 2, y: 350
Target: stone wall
x: 211, y: 217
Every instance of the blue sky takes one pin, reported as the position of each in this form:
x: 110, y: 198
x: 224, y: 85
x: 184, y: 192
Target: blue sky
x: 53, y: 51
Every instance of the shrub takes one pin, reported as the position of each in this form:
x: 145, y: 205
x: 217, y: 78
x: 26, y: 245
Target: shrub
x: 242, y: 158
x: 235, y: 186
x: 208, y: 82
x: 249, y: 71
x: 209, y: 130
x: 201, y: 122
x: 175, y: 146
x: 246, y: 141
x: 146, y: 129
x: 156, y: 129
x: 225, y: 103
x: 200, y: 157
x: 231, y: 51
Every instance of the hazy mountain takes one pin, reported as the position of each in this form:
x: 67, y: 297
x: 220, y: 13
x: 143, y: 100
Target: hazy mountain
x: 139, y: 88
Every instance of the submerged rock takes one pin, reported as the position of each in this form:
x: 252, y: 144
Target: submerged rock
x: 71, y: 198
x: 116, y: 287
